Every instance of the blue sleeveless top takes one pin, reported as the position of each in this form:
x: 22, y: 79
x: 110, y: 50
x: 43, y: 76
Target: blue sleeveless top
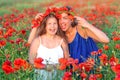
x: 81, y: 48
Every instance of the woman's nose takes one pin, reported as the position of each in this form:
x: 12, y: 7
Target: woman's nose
x: 61, y: 20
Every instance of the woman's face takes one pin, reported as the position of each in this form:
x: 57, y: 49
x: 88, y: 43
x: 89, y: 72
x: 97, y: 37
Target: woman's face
x: 51, y: 26
x: 65, y: 22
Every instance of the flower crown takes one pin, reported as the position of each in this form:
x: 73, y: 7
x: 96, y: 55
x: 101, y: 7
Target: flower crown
x: 56, y: 11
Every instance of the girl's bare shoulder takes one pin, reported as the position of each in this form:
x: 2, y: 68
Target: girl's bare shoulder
x: 58, y: 37
x: 36, y: 40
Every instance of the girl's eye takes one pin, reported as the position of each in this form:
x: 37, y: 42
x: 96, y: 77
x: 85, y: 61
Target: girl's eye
x: 55, y: 23
x: 49, y: 23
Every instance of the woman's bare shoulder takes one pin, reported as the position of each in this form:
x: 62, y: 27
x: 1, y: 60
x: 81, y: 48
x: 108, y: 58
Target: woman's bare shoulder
x: 82, y: 31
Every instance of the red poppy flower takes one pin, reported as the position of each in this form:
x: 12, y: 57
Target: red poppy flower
x: 2, y: 43
x: 0, y: 18
x: 7, y: 68
x: 115, y: 38
x: 18, y: 63
x: 117, y: 76
x: 67, y: 76
x: 106, y: 47
x: 23, y: 32
x: 83, y: 75
x: 117, y: 46
x: 116, y: 68
x: 62, y: 66
x: 92, y: 77
x: 113, y: 61
x: 99, y: 75
x: 38, y: 63
x: 63, y: 61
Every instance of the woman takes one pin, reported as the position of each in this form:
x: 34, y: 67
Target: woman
x: 80, y: 35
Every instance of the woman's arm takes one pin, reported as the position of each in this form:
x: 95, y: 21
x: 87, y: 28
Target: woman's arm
x: 92, y: 31
x: 65, y: 49
x: 33, y: 50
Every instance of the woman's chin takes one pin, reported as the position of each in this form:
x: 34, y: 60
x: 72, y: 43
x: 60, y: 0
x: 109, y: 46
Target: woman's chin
x: 63, y: 29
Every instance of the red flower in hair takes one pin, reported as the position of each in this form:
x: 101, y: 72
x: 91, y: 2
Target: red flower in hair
x: 55, y: 11
x: 35, y: 23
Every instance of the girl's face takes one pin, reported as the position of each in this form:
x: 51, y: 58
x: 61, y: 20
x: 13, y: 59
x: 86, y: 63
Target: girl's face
x: 51, y: 26
x: 65, y: 22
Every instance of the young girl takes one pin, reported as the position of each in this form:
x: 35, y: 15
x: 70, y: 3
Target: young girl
x: 49, y: 45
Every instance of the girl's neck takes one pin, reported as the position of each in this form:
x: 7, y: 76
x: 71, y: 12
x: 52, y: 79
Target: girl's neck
x: 50, y: 36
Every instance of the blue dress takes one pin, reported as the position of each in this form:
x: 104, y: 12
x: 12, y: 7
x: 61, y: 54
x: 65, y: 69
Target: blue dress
x: 81, y: 48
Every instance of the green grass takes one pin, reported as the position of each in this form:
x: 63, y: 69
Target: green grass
x: 4, y: 11
x: 7, y: 5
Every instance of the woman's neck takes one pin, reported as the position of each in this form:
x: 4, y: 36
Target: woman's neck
x: 69, y: 30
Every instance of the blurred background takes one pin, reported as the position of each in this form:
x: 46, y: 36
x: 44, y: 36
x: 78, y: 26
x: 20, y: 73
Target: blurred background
x: 6, y: 6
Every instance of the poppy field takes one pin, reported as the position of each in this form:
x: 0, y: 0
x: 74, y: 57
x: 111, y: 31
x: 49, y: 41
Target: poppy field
x: 15, y: 25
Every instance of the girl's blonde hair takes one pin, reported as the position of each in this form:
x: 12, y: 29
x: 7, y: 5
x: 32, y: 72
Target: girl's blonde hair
x: 42, y: 28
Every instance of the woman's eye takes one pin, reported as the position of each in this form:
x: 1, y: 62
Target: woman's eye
x: 65, y: 17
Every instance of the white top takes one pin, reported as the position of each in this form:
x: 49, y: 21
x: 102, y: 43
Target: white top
x: 50, y: 55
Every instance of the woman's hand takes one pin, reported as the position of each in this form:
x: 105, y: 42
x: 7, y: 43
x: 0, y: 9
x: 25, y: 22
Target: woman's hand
x: 92, y: 31
x: 82, y: 22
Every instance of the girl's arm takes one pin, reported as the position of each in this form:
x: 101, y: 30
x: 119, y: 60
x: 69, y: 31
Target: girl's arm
x: 65, y: 49
x: 92, y: 31
x: 34, y: 30
x: 33, y: 50
x: 32, y: 35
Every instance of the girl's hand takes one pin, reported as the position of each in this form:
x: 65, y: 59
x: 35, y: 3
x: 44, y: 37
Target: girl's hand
x: 82, y: 22
x: 38, y: 16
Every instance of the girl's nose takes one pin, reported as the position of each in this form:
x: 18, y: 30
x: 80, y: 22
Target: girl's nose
x: 52, y: 25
